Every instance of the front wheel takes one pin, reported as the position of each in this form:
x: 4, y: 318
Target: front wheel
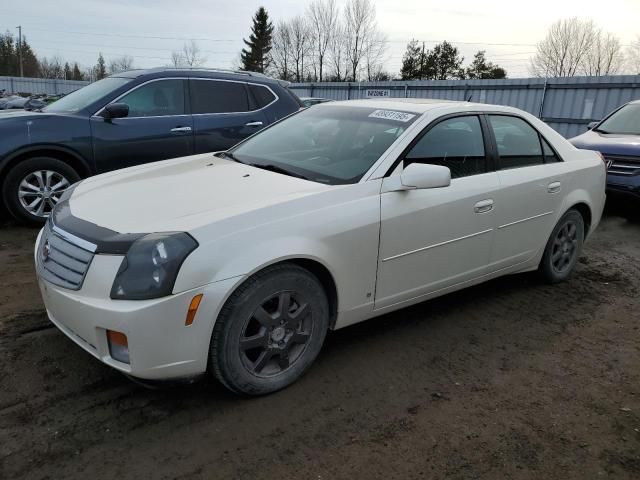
x: 563, y: 248
x: 33, y: 187
x: 270, y: 330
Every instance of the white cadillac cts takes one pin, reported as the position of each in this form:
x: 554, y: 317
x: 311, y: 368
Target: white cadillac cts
x: 238, y: 263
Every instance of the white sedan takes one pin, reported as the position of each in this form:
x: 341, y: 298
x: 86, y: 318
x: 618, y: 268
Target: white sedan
x: 237, y: 263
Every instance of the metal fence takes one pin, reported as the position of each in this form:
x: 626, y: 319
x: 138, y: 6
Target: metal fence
x: 39, y: 85
x: 566, y: 104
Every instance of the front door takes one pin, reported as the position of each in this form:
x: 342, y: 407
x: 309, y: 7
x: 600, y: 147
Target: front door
x: 434, y: 238
x: 158, y: 127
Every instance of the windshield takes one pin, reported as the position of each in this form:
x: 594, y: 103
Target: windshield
x: 85, y: 96
x: 624, y: 121
x: 328, y: 144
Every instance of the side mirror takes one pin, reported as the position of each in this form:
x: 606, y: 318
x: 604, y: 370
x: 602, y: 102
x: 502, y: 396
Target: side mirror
x: 419, y: 176
x: 592, y: 125
x: 115, y: 110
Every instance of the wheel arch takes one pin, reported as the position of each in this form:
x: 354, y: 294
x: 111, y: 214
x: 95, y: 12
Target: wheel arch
x: 67, y: 155
x: 584, y: 210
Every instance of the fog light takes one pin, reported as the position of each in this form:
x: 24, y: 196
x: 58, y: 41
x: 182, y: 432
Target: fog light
x: 118, y: 346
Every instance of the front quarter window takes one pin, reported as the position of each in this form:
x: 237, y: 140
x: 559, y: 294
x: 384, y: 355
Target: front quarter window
x: 86, y: 96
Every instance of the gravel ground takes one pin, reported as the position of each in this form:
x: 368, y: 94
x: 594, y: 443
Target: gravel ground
x: 510, y: 379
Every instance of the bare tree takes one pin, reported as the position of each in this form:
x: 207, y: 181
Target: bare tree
x: 121, y: 64
x: 189, y: 57
x: 323, y: 18
x: 563, y: 51
x: 52, y: 68
x: 374, y: 57
x: 605, y: 56
x: 302, y: 45
x: 282, y: 52
x: 360, y: 27
x: 337, y: 48
x: 633, y: 57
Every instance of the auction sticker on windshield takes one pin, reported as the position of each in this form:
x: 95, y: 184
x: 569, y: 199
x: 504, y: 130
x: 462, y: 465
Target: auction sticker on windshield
x: 392, y: 115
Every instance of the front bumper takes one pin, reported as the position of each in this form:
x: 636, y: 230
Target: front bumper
x: 161, y: 347
x: 627, y: 185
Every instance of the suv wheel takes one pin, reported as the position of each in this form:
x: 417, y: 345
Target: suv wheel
x: 270, y: 330
x: 33, y: 187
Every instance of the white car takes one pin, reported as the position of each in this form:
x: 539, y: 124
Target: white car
x: 237, y: 263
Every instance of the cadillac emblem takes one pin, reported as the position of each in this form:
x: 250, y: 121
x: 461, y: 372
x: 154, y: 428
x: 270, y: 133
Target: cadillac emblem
x: 46, y: 251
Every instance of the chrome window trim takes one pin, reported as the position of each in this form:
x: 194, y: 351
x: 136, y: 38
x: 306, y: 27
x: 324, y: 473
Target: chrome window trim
x: 115, y: 100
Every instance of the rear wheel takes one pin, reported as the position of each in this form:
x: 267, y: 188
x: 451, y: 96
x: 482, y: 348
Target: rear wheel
x: 563, y: 248
x: 33, y: 187
x: 270, y: 330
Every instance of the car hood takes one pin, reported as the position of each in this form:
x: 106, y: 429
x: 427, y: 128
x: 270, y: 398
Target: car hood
x: 181, y: 194
x: 608, y: 143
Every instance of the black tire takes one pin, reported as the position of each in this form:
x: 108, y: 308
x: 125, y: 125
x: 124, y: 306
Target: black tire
x: 563, y: 248
x: 22, y: 171
x: 273, y: 363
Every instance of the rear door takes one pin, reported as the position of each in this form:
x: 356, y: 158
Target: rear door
x: 224, y: 112
x: 158, y: 127
x: 532, y: 179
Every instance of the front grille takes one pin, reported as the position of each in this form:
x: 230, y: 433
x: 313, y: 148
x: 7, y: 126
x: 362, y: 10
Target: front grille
x: 61, y: 260
x: 622, y: 165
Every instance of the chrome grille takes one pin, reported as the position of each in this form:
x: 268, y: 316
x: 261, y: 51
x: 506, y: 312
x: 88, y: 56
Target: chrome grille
x: 61, y: 260
x: 622, y: 165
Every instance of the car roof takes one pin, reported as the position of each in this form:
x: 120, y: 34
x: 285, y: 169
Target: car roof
x: 414, y: 105
x: 192, y: 72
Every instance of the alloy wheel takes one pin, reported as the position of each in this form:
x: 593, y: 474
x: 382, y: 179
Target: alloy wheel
x: 565, y: 247
x: 40, y: 191
x: 276, y: 334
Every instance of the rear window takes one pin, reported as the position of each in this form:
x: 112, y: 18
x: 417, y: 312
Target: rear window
x: 262, y: 95
x: 215, y: 96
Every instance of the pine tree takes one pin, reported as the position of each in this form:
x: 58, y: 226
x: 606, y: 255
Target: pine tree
x: 8, y: 55
x: 76, y: 73
x: 412, y: 61
x: 30, y: 63
x: 257, y: 58
x: 443, y: 63
x: 100, y: 69
x: 67, y: 71
x: 480, y: 68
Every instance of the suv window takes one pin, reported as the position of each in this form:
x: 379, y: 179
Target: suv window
x: 262, y: 95
x: 518, y: 142
x: 158, y: 98
x: 456, y: 143
x: 214, y: 96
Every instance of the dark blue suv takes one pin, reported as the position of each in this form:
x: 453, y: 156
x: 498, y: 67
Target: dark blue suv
x: 127, y: 119
x: 617, y: 138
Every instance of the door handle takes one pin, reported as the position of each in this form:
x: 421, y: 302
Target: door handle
x: 180, y: 130
x: 554, y: 187
x: 483, y: 206
x: 253, y: 124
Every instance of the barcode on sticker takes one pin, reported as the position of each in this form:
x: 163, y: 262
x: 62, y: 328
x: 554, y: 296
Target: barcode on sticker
x: 392, y: 115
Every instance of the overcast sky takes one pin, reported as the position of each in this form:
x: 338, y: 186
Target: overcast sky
x: 77, y: 29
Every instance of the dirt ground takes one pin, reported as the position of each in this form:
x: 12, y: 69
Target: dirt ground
x: 511, y: 379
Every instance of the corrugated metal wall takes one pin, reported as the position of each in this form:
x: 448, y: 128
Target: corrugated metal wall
x: 567, y: 104
x: 39, y: 85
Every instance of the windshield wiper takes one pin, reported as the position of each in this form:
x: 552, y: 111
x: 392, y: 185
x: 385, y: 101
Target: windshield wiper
x: 274, y: 168
x: 599, y: 130
x: 230, y: 156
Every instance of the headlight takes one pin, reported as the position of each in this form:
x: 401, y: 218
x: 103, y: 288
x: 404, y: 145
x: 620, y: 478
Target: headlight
x: 150, y: 268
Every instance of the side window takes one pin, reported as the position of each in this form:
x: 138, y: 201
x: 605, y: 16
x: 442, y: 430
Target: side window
x: 159, y: 98
x: 212, y: 96
x: 549, y: 154
x: 456, y: 143
x: 262, y: 95
x: 518, y: 142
